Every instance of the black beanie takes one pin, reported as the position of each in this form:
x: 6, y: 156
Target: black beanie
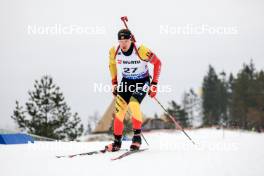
x: 124, y: 34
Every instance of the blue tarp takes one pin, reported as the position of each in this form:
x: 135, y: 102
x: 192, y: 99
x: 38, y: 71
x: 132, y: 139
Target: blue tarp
x: 17, y: 138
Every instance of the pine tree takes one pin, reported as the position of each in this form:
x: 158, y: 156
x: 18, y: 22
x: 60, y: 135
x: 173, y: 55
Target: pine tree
x: 223, y: 96
x: 230, y: 82
x: 215, y: 98
x: 179, y: 114
x: 248, y: 98
x: 210, y: 98
x: 240, y: 96
x: 47, y: 114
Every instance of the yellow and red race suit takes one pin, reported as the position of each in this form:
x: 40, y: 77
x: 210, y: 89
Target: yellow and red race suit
x: 135, y: 71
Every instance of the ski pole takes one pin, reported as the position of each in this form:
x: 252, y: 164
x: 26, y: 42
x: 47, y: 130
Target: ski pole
x: 144, y: 138
x: 174, y: 121
x: 125, y: 19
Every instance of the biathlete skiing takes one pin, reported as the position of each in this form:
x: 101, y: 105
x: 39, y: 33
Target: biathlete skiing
x: 133, y: 60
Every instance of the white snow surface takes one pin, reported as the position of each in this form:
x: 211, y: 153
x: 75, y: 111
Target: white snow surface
x: 217, y: 153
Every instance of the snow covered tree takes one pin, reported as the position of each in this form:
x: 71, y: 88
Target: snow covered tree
x: 92, y: 122
x: 47, y: 114
x: 193, y: 107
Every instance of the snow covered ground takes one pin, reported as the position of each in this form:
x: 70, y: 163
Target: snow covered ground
x: 228, y: 153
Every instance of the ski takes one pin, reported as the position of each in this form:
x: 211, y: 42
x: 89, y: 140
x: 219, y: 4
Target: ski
x: 82, y: 154
x: 86, y: 153
x: 128, y: 153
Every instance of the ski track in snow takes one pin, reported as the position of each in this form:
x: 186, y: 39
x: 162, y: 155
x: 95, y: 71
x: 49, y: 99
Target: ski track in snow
x: 217, y: 153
